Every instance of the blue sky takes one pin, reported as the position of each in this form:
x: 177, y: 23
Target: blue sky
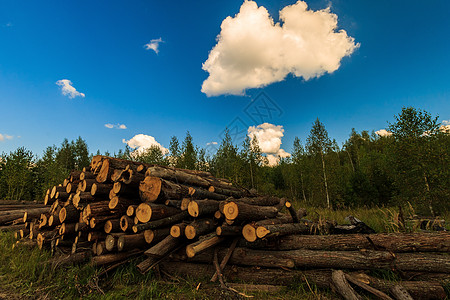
x: 402, y: 60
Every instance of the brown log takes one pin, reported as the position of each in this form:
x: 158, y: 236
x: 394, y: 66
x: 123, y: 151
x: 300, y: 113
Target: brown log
x: 67, y: 229
x: 400, y: 293
x: 100, y: 221
x: 101, y: 189
x: 198, y: 208
x: 244, y: 212
x: 81, y: 198
x: 116, y: 175
x: 70, y: 259
x: 270, y: 231
x: 203, y: 243
x: 156, y: 235
x: 394, y: 242
x: 199, y: 193
x: 81, y: 227
x: 158, y: 251
x: 25, y: 214
x: 126, y: 223
x: 44, y: 238
x: 199, y: 227
x: 178, y: 176
x: 62, y: 195
x: 110, y: 164
x: 72, y: 187
x: 125, y: 190
x: 85, y: 185
x: 343, y: 287
x: 151, y: 211
x: 56, y: 189
x: 363, y: 260
x: 122, y: 203
x: 96, y: 235
x: 177, y: 230
x: 74, y: 176
x: 227, y: 230
x: 69, y: 214
x: 161, y: 223
x: 111, y: 258
x: 97, y: 208
x: 366, y: 287
x: 87, y: 175
x: 249, y: 230
x: 259, y: 201
x: 173, y: 203
x: 132, y: 177
x: 154, y: 189
x: 112, y: 225
x: 236, y: 193
x: 292, y: 212
x: 111, y: 241
x: 131, y: 241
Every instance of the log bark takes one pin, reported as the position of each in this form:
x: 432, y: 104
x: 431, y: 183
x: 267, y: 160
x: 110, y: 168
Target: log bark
x: 155, y: 253
x: 110, y: 164
x: 156, y: 235
x: 270, y: 231
x: 154, y: 189
x: 131, y: 241
x: 162, y: 222
x: 227, y: 230
x: 238, y: 211
x: 177, y: 176
x: 198, y: 208
x: 69, y: 214
x: 394, y: 242
x: 203, y: 243
x: 112, y: 225
x: 101, y: 189
x: 177, y: 230
x: 111, y: 258
x: 132, y: 177
x: 126, y: 223
x: 122, y: 203
x: 199, y: 193
x: 82, y: 198
x: 199, y: 227
x: 292, y: 212
x: 343, y: 287
x: 125, y: 190
x: 151, y: 211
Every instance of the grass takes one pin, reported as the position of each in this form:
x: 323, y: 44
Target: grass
x: 24, y: 274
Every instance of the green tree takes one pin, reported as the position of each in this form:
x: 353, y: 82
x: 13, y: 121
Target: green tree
x: 318, y: 144
x: 174, y: 150
x: 17, y: 174
x: 188, y: 158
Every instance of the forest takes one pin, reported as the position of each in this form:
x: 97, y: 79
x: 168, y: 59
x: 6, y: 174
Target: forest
x: 409, y: 166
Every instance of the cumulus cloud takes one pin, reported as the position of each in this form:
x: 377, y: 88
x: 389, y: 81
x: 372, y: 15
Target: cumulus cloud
x: 445, y: 128
x: 142, y: 142
x: 5, y: 137
x: 211, y: 143
x: 252, y: 51
x: 153, y: 45
x: 383, y: 132
x: 446, y: 122
x: 269, y: 140
x: 116, y: 126
x: 68, y: 90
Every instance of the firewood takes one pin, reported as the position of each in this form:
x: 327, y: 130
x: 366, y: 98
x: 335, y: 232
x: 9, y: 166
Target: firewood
x: 177, y: 176
x: 119, y: 202
x: 87, y: 175
x: 199, y: 227
x: 173, y: 203
x: 131, y: 210
x: 227, y: 230
x: 132, y: 177
x: 292, y: 212
x: 154, y: 189
x: 69, y: 214
x: 112, y: 225
x: 125, y: 190
x: 100, y: 189
x: 131, y: 241
x: 156, y: 235
x: 241, y: 211
x: 203, y: 243
x: 156, y: 252
x: 199, y: 193
x: 111, y: 258
x: 198, y: 208
x: 126, y: 223
x: 150, y: 211
x: 343, y: 287
x: 269, y: 231
x: 177, y: 230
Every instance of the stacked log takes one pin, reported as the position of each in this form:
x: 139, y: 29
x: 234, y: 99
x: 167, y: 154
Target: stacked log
x: 184, y: 220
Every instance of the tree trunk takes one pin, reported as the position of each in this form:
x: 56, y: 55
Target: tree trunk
x: 239, y: 211
x: 325, y: 179
x: 198, y: 208
x: 199, y: 227
x: 161, y: 223
x: 151, y: 211
x: 203, y: 243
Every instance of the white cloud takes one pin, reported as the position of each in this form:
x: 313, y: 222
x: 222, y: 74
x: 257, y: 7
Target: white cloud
x: 269, y: 140
x: 445, y: 128
x: 252, y: 51
x: 68, y: 90
x: 5, y: 137
x: 116, y: 126
x: 446, y: 122
x: 383, y: 132
x: 141, y: 142
x: 211, y: 143
x: 154, y: 45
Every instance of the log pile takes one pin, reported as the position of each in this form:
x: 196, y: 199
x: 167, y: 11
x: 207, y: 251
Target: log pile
x: 190, y: 223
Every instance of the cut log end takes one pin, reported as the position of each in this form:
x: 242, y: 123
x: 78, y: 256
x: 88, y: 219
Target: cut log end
x: 193, y: 209
x: 190, y: 232
x: 249, y: 233
x: 149, y: 235
x: 144, y: 212
x: 150, y: 188
x: 231, y: 210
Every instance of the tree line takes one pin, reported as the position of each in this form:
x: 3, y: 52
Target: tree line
x: 409, y: 165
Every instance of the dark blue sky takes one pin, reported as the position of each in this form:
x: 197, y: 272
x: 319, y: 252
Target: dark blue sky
x: 403, y: 60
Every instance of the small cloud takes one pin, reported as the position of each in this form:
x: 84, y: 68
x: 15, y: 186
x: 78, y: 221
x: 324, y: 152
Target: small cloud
x: 9, y: 24
x: 154, y: 45
x: 269, y: 140
x: 116, y: 126
x: 446, y: 122
x: 211, y: 143
x: 5, y: 137
x: 383, y: 133
x: 253, y: 50
x: 142, y: 142
x: 445, y: 128
x: 68, y: 90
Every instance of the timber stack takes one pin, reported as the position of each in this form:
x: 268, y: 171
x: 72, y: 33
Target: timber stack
x: 190, y: 223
